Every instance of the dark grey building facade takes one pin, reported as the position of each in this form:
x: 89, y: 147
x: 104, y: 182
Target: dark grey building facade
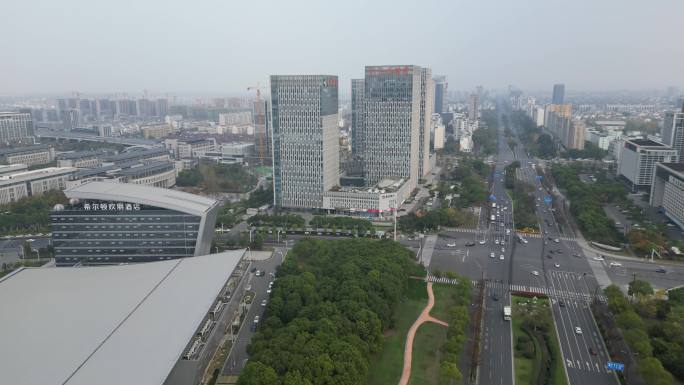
x: 558, y: 94
x: 673, y: 131
x: 440, y: 94
x: 112, y: 223
x: 357, y: 134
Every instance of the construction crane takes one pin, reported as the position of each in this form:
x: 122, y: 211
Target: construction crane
x: 257, y: 87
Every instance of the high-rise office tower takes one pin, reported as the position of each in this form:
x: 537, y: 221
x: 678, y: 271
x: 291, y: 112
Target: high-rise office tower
x: 474, y: 107
x: 440, y: 94
x: 70, y: 119
x: 262, y: 135
x: 392, y: 117
x: 673, y: 131
x: 146, y: 107
x: 357, y: 134
x: 427, y: 96
x: 162, y: 107
x: 304, y: 111
x: 15, y: 127
x: 558, y: 94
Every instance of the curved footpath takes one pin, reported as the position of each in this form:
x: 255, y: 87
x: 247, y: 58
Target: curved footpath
x: 408, y: 348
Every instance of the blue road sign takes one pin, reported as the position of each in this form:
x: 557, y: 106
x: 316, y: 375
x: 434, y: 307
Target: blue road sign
x: 539, y: 177
x: 619, y: 366
x: 492, y: 197
x: 547, y: 200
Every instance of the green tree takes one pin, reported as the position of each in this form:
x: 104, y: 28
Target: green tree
x: 639, y: 287
x: 653, y: 372
x: 449, y: 373
x: 256, y: 373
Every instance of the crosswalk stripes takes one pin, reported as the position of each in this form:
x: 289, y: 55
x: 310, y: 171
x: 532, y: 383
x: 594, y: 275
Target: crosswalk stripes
x: 434, y: 279
x: 548, y: 291
x: 460, y: 230
x: 525, y: 235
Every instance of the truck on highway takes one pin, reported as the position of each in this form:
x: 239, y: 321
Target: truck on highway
x: 507, y: 313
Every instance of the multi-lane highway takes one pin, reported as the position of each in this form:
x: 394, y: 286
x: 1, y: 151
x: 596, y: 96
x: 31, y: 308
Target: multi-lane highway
x: 556, y: 263
x: 496, y: 365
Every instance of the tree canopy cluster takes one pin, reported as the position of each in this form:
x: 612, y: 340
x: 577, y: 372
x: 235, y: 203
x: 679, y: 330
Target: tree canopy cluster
x: 485, y: 140
x: 587, y: 201
x: 328, y: 222
x: 653, y: 329
x: 590, y: 151
x: 232, y: 211
x: 537, y: 142
x: 329, y: 306
x: 214, y: 177
x: 456, y: 334
x: 30, y: 214
x: 468, y: 180
x: 524, y: 206
x: 431, y: 220
x: 282, y: 220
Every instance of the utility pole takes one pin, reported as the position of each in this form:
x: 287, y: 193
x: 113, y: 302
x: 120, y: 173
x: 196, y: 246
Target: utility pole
x: 395, y: 224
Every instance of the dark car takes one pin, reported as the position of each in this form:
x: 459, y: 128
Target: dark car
x: 661, y: 270
x: 253, y: 270
x: 561, y: 303
x: 253, y: 327
x: 495, y: 297
x: 548, y: 256
x: 470, y: 244
x: 551, y: 251
x: 592, y: 351
x: 559, y: 251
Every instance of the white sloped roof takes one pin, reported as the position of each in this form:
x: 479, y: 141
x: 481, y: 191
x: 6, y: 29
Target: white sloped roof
x: 112, y: 325
x: 153, y: 196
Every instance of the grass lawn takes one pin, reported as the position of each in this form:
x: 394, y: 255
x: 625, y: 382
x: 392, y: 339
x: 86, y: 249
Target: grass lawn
x: 558, y: 369
x: 386, y: 366
x: 527, y: 370
x: 444, y: 300
x: 427, y: 354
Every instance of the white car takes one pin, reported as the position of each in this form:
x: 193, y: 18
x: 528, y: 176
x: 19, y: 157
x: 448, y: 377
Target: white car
x: 451, y: 245
x: 503, y: 249
x: 599, y: 259
x: 263, y: 303
x: 482, y: 242
x: 491, y: 255
x: 615, y: 264
x: 557, y: 265
x: 268, y: 291
x: 503, y: 242
x: 256, y: 319
x: 556, y: 240
x: 496, y: 241
x: 578, y: 330
x: 535, y: 273
x: 501, y: 257
x: 508, y: 231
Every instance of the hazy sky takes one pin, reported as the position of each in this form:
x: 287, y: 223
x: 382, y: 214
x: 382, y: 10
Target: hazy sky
x: 223, y: 46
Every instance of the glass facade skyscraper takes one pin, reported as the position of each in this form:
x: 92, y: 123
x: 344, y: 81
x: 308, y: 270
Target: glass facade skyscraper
x: 357, y: 137
x: 558, y: 94
x: 392, y: 116
x: 305, y: 139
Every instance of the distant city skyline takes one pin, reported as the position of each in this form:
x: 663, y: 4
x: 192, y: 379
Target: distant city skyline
x: 218, y: 47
